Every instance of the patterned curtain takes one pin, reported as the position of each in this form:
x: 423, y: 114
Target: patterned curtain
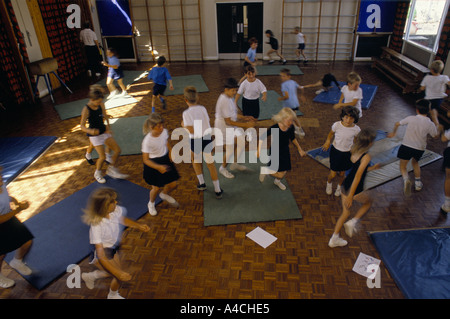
x: 64, y: 41
x: 444, y: 40
x: 15, y: 89
x: 399, y: 25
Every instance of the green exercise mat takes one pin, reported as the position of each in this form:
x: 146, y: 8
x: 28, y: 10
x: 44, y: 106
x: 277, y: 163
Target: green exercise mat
x: 180, y: 82
x: 246, y: 199
x: 74, y: 108
x: 275, y: 69
x: 127, y: 131
x: 269, y: 108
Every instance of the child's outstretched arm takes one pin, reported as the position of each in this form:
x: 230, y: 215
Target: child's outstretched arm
x: 327, y: 143
x: 299, y: 148
x: 132, y: 224
x: 392, y: 134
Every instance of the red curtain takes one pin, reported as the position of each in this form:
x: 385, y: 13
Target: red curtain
x: 15, y: 89
x: 64, y: 41
x: 399, y: 25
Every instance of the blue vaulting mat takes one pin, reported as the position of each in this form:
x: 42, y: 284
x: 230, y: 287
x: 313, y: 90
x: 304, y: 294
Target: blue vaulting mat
x: 334, y: 94
x: 17, y: 153
x: 418, y: 260
x: 60, y: 236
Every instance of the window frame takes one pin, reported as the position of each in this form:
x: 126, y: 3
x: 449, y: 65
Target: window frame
x: 441, y: 26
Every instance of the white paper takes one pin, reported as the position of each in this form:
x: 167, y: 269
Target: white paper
x: 366, y: 265
x: 261, y: 237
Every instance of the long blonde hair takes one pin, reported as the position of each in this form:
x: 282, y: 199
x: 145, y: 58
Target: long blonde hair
x: 364, y: 141
x: 97, y: 205
x: 285, y: 113
x: 152, y: 120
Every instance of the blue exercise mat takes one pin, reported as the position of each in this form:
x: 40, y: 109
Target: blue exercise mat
x: 17, y: 153
x: 60, y: 236
x: 334, y: 94
x: 418, y: 260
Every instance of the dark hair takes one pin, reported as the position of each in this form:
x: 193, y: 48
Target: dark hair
x: 423, y: 106
x: 252, y: 40
x: 269, y: 32
x: 161, y: 60
x: 113, y: 51
x: 350, y: 111
x: 87, y: 25
x: 286, y: 71
x: 250, y: 68
x: 230, y: 83
x: 96, y: 92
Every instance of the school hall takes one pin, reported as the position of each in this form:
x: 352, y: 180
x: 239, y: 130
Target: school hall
x: 389, y: 44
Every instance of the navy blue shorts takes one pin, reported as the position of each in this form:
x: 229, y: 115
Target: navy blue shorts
x: 201, y: 142
x: 436, y: 103
x: 159, y: 89
x: 301, y: 46
x: 406, y: 153
x: 115, y: 74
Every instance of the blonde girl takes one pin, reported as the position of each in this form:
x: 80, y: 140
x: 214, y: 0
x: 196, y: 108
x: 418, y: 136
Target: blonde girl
x: 159, y: 170
x: 353, y: 186
x: 104, y: 217
x: 286, y: 133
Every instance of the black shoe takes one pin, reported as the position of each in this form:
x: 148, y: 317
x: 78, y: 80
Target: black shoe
x: 306, y: 61
x: 271, y: 62
x: 284, y: 62
x: 219, y: 194
x: 164, y: 104
x: 201, y: 187
x: 90, y: 161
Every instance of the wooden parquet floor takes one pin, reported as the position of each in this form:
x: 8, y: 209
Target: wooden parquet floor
x: 180, y: 258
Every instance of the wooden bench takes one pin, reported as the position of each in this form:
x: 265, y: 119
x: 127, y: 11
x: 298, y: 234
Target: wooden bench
x: 400, y: 69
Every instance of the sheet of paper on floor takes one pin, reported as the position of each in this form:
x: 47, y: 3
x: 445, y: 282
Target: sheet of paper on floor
x: 366, y: 265
x: 261, y: 237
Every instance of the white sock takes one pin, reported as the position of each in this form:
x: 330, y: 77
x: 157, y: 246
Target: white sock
x: 200, y: 178
x: 447, y: 201
x: 88, y: 155
x: 216, y: 186
x: 97, y: 171
x: 99, y: 274
x: 277, y: 180
x: 405, y: 177
x: 112, y: 292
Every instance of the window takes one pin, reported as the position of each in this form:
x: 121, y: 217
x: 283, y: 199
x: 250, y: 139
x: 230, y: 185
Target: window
x: 424, y: 22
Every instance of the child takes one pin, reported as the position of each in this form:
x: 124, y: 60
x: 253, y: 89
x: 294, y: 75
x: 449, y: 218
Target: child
x: 285, y: 125
x: 326, y: 83
x: 289, y: 97
x: 273, y: 48
x: 230, y: 125
x: 115, y: 72
x: 301, y: 39
x: 435, y: 86
x: 445, y: 208
x: 159, y: 171
x: 196, y: 114
x: 414, y: 142
x: 353, y: 186
x: 92, y: 49
x: 251, y: 89
x: 250, y: 58
x: 104, y: 217
x: 351, y: 93
x: 100, y: 134
x: 160, y: 76
x: 13, y: 234
x: 344, y: 133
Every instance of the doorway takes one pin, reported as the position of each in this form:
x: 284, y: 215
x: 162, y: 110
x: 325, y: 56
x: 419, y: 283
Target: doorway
x: 236, y: 23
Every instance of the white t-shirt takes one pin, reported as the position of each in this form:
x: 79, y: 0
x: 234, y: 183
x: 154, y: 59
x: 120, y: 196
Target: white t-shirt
x: 350, y: 95
x: 198, y: 117
x: 88, y: 37
x: 225, y: 108
x: 435, y: 86
x: 108, y: 231
x: 344, y: 136
x: 300, y: 38
x: 251, y: 90
x: 155, y: 146
x: 418, y: 128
